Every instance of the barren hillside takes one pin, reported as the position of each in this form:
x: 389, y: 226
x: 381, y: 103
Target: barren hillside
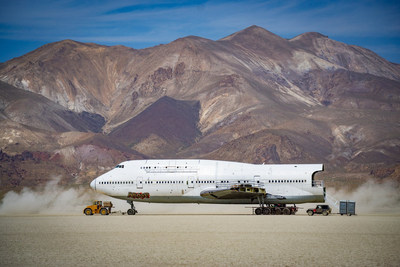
x: 251, y: 96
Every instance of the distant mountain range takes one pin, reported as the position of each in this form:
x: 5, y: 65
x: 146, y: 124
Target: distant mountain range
x: 75, y: 109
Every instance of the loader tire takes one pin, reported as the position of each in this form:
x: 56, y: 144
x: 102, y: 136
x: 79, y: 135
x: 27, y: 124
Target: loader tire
x: 103, y: 211
x: 88, y: 211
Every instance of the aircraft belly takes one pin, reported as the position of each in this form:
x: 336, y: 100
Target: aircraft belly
x: 199, y: 199
x: 185, y: 195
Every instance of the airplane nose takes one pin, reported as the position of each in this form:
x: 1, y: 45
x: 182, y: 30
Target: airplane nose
x: 93, y: 184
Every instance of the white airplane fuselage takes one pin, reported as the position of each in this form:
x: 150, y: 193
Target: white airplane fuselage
x: 199, y: 181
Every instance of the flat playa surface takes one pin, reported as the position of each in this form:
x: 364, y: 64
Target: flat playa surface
x: 200, y: 240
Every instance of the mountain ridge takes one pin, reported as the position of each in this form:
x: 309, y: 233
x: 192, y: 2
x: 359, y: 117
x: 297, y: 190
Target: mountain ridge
x: 259, y: 98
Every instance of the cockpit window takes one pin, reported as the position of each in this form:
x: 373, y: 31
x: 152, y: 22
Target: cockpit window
x: 119, y: 166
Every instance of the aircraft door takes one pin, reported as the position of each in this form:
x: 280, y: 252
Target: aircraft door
x: 256, y: 180
x: 139, y: 183
x: 191, y: 182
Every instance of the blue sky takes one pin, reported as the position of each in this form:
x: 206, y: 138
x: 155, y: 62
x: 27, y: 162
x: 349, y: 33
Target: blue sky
x: 26, y: 25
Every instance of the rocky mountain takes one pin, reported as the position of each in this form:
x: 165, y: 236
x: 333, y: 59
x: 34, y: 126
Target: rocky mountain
x: 166, y: 125
x: 37, y: 111
x: 251, y: 96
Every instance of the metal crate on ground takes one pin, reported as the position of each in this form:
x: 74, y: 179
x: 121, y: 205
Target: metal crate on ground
x: 347, y: 207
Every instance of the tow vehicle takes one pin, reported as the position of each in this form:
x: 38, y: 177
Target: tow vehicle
x: 99, y: 207
x: 320, y: 209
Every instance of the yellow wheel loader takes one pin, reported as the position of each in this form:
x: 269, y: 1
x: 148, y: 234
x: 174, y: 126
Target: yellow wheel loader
x: 98, y: 207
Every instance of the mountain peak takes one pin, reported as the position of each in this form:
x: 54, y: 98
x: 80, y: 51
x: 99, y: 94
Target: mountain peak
x: 260, y: 41
x: 251, y: 31
x: 309, y: 36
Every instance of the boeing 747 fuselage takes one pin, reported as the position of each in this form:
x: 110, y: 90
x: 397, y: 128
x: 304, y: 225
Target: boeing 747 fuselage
x: 211, y: 181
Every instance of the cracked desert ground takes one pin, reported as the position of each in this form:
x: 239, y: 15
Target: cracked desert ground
x: 200, y: 240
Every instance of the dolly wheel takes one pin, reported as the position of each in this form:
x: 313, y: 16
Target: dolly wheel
x: 286, y: 211
x: 88, y: 211
x: 266, y: 211
x: 258, y: 211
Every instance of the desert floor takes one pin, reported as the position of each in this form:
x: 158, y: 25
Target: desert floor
x: 194, y: 240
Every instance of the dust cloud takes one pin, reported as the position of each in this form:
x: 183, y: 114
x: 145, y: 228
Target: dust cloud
x: 373, y: 197
x: 50, y: 199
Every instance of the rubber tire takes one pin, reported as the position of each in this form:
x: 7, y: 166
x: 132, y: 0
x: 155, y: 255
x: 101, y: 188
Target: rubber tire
x: 258, y: 211
x: 131, y: 212
x: 286, y: 211
x: 266, y: 211
x: 310, y: 213
x: 88, y: 211
x: 278, y: 211
x: 325, y: 213
x: 103, y: 211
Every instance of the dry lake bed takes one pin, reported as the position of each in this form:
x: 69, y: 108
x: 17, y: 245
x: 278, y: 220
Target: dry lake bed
x: 200, y: 240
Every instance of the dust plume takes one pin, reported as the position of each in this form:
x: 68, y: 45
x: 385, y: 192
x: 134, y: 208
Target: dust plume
x: 50, y: 199
x: 54, y: 199
x: 374, y: 197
